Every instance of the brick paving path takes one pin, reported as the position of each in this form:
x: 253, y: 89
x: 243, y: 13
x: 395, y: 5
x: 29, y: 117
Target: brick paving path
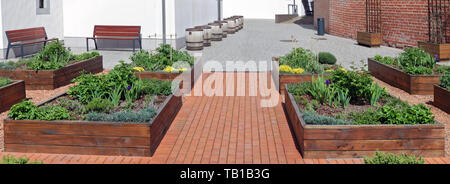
x: 219, y: 129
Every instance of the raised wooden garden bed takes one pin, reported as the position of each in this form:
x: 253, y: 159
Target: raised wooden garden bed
x: 11, y: 94
x: 441, y: 50
x: 163, y: 76
x: 413, y: 84
x: 357, y: 141
x: 91, y: 138
x: 441, y: 98
x: 369, y: 39
x: 52, y: 79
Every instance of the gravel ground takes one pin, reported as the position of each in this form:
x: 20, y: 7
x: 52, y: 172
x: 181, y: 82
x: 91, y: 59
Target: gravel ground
x: 440, y: 115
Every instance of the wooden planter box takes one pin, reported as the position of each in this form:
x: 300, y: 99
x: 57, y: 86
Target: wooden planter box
x: 163, y: 76
x: 413, y: 84
x: 442, y: 50
x: 357, y: 141
x: 11, y: 94
x: 52, y: 79
x: 442, y: 98
x: 91, y: 138
x: 369, y: 39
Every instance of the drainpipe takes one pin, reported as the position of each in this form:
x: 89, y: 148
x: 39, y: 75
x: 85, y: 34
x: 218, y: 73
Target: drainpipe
x: 219, y: 9
x: 164, y: 21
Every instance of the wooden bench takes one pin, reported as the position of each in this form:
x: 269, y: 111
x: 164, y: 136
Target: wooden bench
x: 116, y: 33
x: 24, y: 37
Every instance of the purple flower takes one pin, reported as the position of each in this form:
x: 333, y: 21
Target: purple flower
x: 437, y: 57
x: 129, y: 88
x: 328, y: 82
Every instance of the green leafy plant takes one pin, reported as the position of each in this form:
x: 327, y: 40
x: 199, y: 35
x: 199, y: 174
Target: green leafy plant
x: 369, y: 117
x: 416, y: 114
x: 444, y: 81
x: 319, y: 89
x: 99, y: 105
x: 357, y: 83
x: 327, y: 58
x: 385, y: 60
x: 4, y: 81
x: 389, y: 158
x: 376, y: 93
x: 115, y: 96
x: 343, y: 98
x: 10, y: 159
x: 302, y: 58
x: 299, y: 89
x: 26, y: 110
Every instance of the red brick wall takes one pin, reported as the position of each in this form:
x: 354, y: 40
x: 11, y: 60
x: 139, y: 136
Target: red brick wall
x: 403, y: 21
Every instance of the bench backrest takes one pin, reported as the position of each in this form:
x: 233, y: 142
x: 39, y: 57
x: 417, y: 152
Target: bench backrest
x: 23, y: 35
x: 117, y: 31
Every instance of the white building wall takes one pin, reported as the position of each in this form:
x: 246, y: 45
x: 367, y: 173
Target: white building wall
x: 259, y: 9
x: 21, y: 14
x: 191, y: 13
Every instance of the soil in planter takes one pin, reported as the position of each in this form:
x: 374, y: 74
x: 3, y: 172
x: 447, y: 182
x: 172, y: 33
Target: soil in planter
x: 305, y: 103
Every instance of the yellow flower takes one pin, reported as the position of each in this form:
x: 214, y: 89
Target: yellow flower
x: 182, y: 69
x: 298, y: 71
x: 329, y: 71
x: 139, y: 69
x: 286, y: 68
x: 343, y: 69
x: 169, y: 69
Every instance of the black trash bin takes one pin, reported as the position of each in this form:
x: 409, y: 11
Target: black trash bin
x: 321, y: 26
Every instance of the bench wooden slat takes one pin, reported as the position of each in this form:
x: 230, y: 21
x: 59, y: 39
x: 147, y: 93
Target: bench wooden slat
x: 25, y: 30
x: 118, y: 34
x: 29, y: 36
x: 108, y: 32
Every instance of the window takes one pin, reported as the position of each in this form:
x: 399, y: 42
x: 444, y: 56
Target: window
x: 41, y: 4
x: 42, y: 7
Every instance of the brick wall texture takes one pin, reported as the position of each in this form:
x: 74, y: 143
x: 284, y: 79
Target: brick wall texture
x: 404, y: 22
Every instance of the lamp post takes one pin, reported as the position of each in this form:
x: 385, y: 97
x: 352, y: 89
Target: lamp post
x: 164, y: 21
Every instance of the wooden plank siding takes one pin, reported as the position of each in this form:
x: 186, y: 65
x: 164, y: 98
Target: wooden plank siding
x: 11, y: 94
x: 413, y: 84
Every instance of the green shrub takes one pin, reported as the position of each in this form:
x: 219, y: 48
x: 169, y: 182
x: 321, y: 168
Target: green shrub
x: 369, y: 117
x: 416, y: 57
x: 100, y: 86
x: 99, y: 105
x: 383, y: 158
x: 84, y: 56
x: 52, y: 57
x: 4, y: 81
x: 442, y: 69
x: 165, y: 56
x: 358, y: 84
x: 157, y: 87
x: 144, y: 115
x: 416, y: 114
x: 418, y: 70
x: 327, y: 58
x: 12, y: 160
x: 299, y: 89
x: 26, y: 110
x: 444, y: 81
x: 302, y: 58
x: 312, y: 118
